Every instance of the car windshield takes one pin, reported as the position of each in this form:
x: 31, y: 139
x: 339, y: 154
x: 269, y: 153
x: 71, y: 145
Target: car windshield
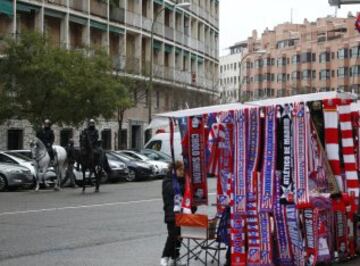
x: 162, y: 155
x: 19, y: 156
x: 123, y: 156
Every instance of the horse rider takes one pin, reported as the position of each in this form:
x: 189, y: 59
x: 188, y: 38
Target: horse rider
x: 46, y: 135
x: 92, y: 135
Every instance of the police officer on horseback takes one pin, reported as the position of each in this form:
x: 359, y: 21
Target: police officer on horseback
x: 92, y: 135
x: 46, y: 135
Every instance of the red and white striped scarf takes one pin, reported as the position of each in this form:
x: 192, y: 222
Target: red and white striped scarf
x: 347, y: 141
x: 331, y: 122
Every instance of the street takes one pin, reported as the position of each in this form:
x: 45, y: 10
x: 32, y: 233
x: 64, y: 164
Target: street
x: 121, y: 225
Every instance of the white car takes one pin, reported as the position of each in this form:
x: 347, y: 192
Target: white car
x: 19, y: 159
x: 160, y: 168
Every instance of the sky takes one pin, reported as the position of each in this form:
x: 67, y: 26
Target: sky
x: 239, y: 17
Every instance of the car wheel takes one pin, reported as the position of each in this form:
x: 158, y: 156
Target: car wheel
x: 3, y: 183
x: 131, y: 177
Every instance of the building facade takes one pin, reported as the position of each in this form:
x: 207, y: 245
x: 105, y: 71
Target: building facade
x: 302, y: 58
x: 185, y: 53
x: 229, y: 73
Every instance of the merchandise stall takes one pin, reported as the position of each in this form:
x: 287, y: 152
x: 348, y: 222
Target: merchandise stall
x: 286, y: 168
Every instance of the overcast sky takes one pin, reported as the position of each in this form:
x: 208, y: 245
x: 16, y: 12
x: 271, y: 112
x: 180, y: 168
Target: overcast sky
x: 239, y: 17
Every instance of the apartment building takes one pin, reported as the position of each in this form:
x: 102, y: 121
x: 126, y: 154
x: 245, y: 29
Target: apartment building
x: 302, y: 58
x: 229, y: 73
x: 185, y: 53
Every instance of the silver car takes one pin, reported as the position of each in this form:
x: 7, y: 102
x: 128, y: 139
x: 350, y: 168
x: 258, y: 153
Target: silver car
x: 12, y: 175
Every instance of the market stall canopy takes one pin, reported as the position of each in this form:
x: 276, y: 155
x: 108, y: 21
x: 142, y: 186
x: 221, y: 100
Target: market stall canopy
x: 304, y: 98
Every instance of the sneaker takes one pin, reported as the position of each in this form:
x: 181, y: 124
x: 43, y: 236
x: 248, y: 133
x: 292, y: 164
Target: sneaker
x: 179, y: 262
x: 164, y: 261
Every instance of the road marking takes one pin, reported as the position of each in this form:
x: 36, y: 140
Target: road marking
x: 82, y: 206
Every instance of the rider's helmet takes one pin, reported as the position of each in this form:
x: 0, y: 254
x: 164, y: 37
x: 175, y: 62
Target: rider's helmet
x: 71, y: 141
x: 91, y: 123
x: 47, y: 123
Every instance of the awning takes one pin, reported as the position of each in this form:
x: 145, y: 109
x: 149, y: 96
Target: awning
x: 78, y: 20
x: 168, y: 48
x: 160, y: 2
x: 200, y: 60
x: 116, y: 30
x: 6, y: 7
x: 98, y: 25
x: 168, y: 6
x: 157, y: 45
x: 186, y: 53
x: 25, y: 7
x: 319, y: 96
x: 193, y: 57
x: 178, y: 50
x: 54, y: 14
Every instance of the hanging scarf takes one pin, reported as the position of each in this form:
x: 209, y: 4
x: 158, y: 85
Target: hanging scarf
x: 266, y: 247
x: 196, y: 154
x: 287, y: 182
x: 300, y: 144
x: 213, y: 151
x: 281, y: 231
x: 175, y: 182
x: 269, y: 160
x: 296, y: 240
x: 238, y: 256
x: 311, y: 219
x: 341, y: 240
x: 347, y: 141
x: 332, y: 138
x: 252, y: 186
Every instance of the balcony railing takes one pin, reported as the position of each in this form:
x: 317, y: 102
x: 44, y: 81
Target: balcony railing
x: 195, y: 8
x: 158, y: 28
x: 133, y: 19
x: 117, y: 14
x: 57, y: 2
x: 169, y: 33
x: 179, y: 36
x: 80, y: 5
x: 146, y: 23
x: 187, y: 40
x: 132, y: 65
x: 98, y: 8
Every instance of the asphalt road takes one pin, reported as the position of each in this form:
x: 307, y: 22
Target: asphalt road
x: 121, y: 225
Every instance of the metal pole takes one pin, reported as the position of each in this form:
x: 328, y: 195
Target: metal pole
x: 151, y: 63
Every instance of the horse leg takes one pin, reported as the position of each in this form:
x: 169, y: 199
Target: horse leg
x: 84, y: 180
x: 97, y: 180
x: 57, y: 186
x: 37, y: 183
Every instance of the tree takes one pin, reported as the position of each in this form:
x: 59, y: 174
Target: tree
x: 40, y: 81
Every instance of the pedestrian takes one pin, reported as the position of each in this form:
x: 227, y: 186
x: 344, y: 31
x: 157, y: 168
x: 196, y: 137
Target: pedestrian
x: 171, y: 250
x: 70, y: 150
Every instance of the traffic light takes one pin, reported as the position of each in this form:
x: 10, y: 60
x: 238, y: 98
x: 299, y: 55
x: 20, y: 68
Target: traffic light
x: 343, y: 2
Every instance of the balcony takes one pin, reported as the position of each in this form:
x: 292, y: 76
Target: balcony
x: 179, y: 36
x: 187, y: 40
x: 119, y: 62
x: 79, y: 5
x: 194, y: 8
x: 56, y: 2
x: 146, y: 23
x: 133, y: 19
x: 168, y: 73
x: 169, y: 33
x: 201, y: 46
x: 98, y: 8
x: 132, y: 65
x: 158, y: 71
x: 117, y: 14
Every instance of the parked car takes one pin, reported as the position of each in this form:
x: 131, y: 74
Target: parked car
x: 161, y: 168
x: 12, y: 175
x: 138, y: 170
x: 118, y: 169
x: 161, y: 142
x: 26, y: 153
x: 156, y: 155
x: 20, y: 159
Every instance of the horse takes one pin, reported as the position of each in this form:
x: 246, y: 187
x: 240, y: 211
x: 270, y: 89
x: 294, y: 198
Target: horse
x: 92, y: 159
x: 41, y: 159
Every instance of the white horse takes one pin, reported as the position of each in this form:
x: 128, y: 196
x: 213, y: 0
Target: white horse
x: 42, y: 161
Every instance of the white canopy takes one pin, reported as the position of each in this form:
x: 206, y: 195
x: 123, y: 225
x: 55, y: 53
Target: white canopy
x: 161, y: 120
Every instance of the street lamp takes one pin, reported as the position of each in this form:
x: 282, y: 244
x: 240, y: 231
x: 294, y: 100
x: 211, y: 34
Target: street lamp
x: 183, y: 5
x: 259, y: 52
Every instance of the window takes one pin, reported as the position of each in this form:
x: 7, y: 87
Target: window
x: 355, y: 70
x: 342, y: 53
x: 15, y: 139
x: 324, y: 74
x: 295, y: 75
x: 157, y: 99
x: 259, y: 63
x: 306, y: 74
x: 235, y: 66
x: 295, y: 59
x: 258, y: 78
x: 307, y: 57
x: 342, y: 71
x: 106, y: 139
x: 269, y: 61
x: 281, y: 61
x: 324, y: 57
x: 355, y: 52
x: 268, y: 77
x: 221, y: 69
x: 6, y: 159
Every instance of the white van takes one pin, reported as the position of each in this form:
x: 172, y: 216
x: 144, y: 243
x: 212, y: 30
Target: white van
x: 161, y: 142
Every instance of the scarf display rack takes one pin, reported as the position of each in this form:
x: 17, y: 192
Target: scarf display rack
x: 288, y: 169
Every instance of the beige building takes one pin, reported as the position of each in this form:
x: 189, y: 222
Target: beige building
x: 302, y: 58
x: 185, y: 53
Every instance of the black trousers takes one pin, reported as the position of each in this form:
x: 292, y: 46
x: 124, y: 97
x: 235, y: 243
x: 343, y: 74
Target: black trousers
x: 173, y: 242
